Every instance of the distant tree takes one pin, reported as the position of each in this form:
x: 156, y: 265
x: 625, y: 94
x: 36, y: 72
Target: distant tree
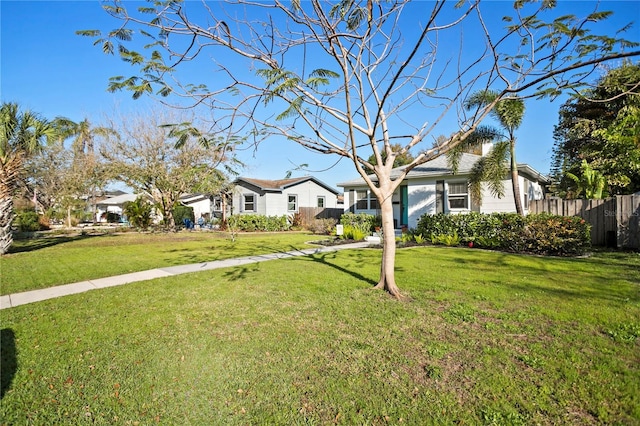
x: 164, y: 161
x: 590, y: 183
x: 352, y: 78
x: 23, y: 134
x: 138, y: 212
x: 601, y: 126
x: 501, y: 160
x: 402, y: 157
x: 84, y: 136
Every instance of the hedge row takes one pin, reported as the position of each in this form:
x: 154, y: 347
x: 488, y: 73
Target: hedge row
x: 256, y: 222
x: 536, y: 233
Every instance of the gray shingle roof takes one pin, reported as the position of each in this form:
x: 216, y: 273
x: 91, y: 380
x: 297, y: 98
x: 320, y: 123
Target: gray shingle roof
x: 436, y: 167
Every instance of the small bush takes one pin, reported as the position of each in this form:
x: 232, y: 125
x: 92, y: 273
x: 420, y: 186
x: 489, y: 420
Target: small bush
x: 27, y: 221
x: 351, y: 232
x: 363, y: 221
x: 322, y: 226
x: 180, y: 213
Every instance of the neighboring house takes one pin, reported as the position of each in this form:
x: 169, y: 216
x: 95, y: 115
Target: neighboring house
x: 112, y: 205
x: 433, y: 188
x: 202, y: 205
x: 281, y: 197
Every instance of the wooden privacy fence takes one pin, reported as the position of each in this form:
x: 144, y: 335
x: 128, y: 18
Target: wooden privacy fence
x: 308, y: 214
x: 615, y: 222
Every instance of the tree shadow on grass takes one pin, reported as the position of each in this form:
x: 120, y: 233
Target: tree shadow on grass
x: 242, y: 271
x: 324, y: 259
x: 33, y: 244
x: 8, y: 359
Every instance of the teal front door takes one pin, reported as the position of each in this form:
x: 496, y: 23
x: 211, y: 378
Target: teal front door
x: 404, y: 204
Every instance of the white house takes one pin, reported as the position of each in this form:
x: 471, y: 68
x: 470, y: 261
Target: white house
x: 433, y: 188
x: 112, y: 204
x: 281, y: 197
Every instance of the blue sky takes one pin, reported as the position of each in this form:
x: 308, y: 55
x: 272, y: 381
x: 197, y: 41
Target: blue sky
x: 45, y: 67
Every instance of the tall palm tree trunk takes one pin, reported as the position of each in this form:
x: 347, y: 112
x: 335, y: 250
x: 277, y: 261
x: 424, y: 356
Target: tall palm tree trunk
x: 515, y: 178
x: 8, y: 175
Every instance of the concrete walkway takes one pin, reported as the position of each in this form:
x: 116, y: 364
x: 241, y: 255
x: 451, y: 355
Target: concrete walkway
x: 17, y: 299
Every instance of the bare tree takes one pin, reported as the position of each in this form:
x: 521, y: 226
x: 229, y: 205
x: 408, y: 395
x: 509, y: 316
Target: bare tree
x: 354, y: 78
x: 163, y: 157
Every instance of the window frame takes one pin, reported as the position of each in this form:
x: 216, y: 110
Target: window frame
x: 321, y: 201
x: 245, y: 203
x: 456, y: 196
x: 295, y: 202
x: 366, y: 200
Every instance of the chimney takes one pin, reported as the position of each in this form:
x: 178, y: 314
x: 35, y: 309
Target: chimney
x: 486, y: 147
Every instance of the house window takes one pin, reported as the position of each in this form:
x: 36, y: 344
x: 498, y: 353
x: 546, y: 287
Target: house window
x: 292, y: 203
x: 217, y: 204
x: 320, y: 202
x: 458, y: 196
x: 366, y: 200
x: 362, y: 200
x: 249, y: 203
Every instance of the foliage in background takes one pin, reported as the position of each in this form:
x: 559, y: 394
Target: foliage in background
x: 181, y: 212
x: 535, y: 233
x: 602, y: 127
x: 590, y: 183
x: 401, y: 158
x: 138, y: 212
x: 165, y: 161
x: 256, y: 222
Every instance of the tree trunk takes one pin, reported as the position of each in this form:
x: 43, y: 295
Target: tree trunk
x: 515, y: 181
x: 387, y: 268
x: 69, y: 216
x: 6, y: 217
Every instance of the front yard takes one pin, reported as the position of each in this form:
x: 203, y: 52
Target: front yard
x: 485, y: 338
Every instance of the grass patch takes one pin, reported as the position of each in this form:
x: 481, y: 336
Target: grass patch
x: 62, y: 259
x: 498, y: 339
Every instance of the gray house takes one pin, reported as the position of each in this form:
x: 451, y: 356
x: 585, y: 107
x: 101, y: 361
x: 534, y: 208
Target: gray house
x: 433, y: 188
x: 281, y: 197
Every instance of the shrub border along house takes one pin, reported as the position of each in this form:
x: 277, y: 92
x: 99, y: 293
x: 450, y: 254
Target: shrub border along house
x: 544, y: 233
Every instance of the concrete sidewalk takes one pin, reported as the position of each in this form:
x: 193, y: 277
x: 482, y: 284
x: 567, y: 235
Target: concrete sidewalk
x: 17, y: 299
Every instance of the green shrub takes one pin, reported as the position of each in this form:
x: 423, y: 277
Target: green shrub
x: 447, y: 239
x: 27, y: 221
x: 351, y: 232
x: 363, y: 221
x: 540, y: 233
x: 260, y: 223
x: 556, y: 235
x: 180, y: 213
x: 138, y: 212
x: 111, y: 217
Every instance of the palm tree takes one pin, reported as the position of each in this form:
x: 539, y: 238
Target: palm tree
x: 491, y: 168
x: 83, y: 149
x: 23, y: 134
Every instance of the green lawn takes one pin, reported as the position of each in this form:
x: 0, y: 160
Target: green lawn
x: 484, y: 338
x: 63, y: 259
